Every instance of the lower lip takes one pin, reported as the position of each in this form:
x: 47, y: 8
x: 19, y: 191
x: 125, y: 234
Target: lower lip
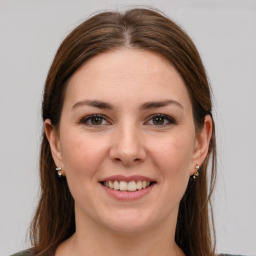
x: 128, y: 195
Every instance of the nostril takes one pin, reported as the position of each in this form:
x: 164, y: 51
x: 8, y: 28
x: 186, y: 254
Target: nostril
x: 127, y: 161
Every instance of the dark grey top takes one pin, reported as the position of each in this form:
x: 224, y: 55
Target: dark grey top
x: 27, y: 253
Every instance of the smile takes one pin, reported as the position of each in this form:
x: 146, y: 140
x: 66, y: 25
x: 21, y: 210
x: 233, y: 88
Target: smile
x: 127, y: 186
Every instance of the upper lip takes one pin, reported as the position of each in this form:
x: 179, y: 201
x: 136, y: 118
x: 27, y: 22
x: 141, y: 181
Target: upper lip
x: 127, y: 178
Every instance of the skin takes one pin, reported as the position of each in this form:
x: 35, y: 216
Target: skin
x: 127, y: 141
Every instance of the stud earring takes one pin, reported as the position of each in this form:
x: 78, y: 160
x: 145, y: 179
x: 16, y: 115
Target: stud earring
x: 196, y: 173
x: 58, y: 169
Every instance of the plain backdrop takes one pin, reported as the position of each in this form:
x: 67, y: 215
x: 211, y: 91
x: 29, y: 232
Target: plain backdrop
x: 225, y: 34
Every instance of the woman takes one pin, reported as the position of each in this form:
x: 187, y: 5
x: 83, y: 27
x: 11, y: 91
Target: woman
x: 128, y: 135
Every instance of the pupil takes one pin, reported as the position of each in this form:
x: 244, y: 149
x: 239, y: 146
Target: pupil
x: 158, y: 120
x: 97, y: 120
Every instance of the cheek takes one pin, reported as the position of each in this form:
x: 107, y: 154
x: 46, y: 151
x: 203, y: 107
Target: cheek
x: 82, y: 155
x: 171, y: 157
x: 173, y: 154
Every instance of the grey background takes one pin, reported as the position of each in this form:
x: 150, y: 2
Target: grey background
x: 225, y: 34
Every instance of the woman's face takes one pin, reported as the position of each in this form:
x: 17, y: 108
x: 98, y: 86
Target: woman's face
x: 127, y: 123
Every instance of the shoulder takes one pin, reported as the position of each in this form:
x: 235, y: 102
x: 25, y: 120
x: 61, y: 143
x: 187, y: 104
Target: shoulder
x: 23, y: 253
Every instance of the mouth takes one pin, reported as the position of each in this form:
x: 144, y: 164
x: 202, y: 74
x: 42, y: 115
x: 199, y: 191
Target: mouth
x: 127, y: 184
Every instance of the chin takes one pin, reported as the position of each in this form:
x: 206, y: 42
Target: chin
x: 130, y: 221
x: 128, y: 228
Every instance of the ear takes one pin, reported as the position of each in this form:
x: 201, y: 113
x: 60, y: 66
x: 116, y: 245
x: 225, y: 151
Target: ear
x: 54, y: 141
x: 203, y: 138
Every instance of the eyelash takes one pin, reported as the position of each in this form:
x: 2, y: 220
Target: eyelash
x: 169, y: 119
x: 87, y: 119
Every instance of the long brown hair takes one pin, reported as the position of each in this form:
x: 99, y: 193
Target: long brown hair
x: 54, y: 220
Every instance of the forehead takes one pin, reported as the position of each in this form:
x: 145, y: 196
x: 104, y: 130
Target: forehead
x: 127, y: 74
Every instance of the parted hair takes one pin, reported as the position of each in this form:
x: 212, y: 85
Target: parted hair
x: 146, y: 29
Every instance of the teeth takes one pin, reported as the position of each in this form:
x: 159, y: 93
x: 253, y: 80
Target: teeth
x: 111, y: 184
x: 132, y: 186
x: 123, y: 185
x: 139, y: 185
x: 116, y: 185
x: 127, y: 186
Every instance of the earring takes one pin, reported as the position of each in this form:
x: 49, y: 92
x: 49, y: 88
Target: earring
x: 196, y: 173
x: 58, y: 169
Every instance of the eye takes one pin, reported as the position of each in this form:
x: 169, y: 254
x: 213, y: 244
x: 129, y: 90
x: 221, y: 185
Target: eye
x: 160, y: 120
x: 94, y: 120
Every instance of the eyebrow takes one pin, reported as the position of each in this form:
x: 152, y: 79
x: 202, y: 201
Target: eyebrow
x: 147, y: 105
x: 158, y: 104
x: 93, y: 103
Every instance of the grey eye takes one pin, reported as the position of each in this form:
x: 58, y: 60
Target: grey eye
x: 161, y: 120
x: 97, y: 120
x: 158, y: 120
x: 93, y: 120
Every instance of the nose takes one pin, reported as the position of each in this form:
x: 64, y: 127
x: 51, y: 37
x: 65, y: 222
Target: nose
x: 127, y: 146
